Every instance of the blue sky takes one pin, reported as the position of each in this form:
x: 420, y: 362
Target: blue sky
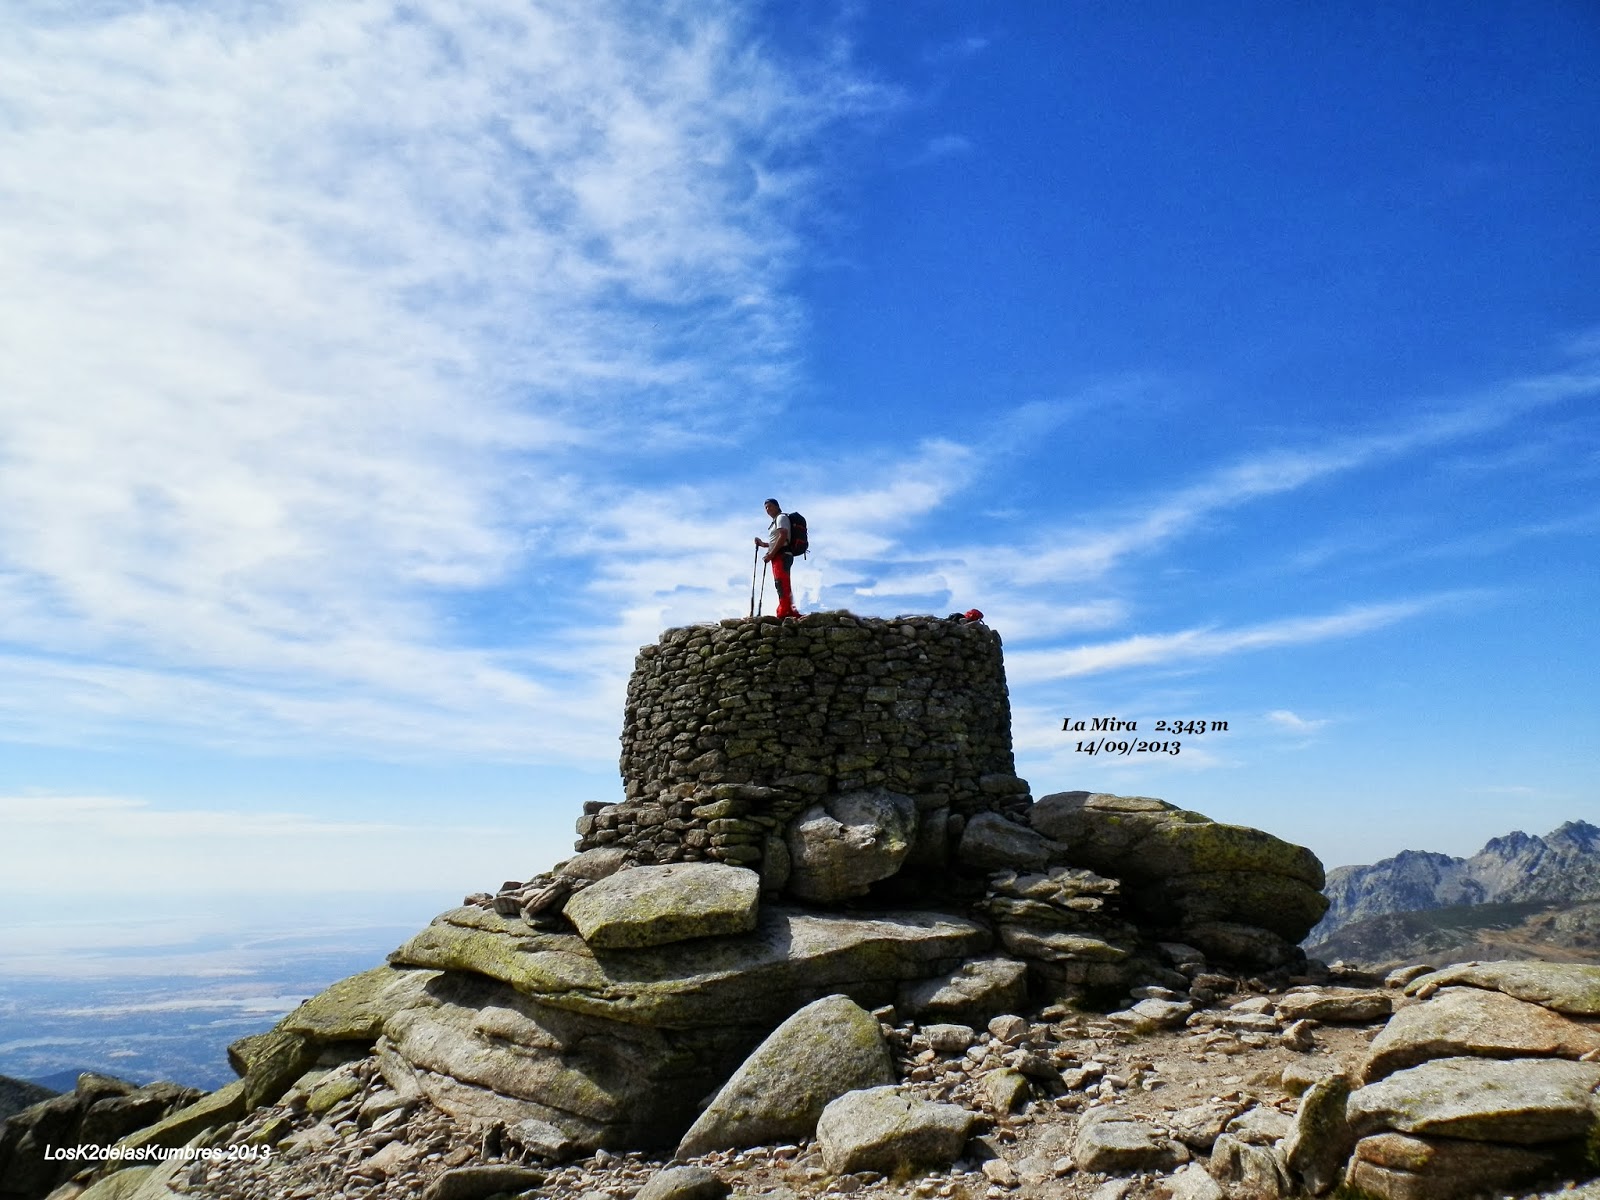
x: 376, y: 378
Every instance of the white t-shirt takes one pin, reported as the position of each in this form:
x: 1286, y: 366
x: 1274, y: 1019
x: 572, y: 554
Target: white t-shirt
x: 781, y: 521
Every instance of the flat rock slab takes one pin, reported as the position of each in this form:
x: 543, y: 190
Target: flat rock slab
x: 828, y: 1048
x: 482, y: 1051
x: 887, y: 1130
x: 1468, y: 1021
x: 1052, y: 943
x: 1351, y: 1005
x: 1570, y: 988
x: 791, y: 958
x: 354, y: 1009
x: 1520, y: 1100
x: 1261, y: 1126
x: 1118, y: 1144
x: 683, y: 1183
x: 974, y: 991
x: 1150, y: 1015
x: 477, y: 1182
x: 655, y: 906
x: 1398, y: 1166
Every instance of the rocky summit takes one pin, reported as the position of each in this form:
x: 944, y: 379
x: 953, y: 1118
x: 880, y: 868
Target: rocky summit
x: 862, y: 959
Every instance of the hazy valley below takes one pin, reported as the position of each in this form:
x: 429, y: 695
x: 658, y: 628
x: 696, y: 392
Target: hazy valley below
x: 160, y: 994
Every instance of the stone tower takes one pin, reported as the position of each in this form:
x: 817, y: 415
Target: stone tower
x: 736, y: 734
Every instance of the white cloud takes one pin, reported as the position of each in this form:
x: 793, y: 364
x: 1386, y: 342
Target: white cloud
x: 1114, y: 535
x: 1285, y: 719
x: 1190, y: 645
x: 322, y: 317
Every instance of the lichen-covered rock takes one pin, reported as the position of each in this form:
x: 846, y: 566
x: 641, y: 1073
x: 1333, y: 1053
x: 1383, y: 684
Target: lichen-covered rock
x: 975, y: 991
x: 756, y: 979
x: 353, y: 1009
x: 1398, y: 1166
x: 840, y: 847
x: 1520, y: 1100
x: 1357, y: 1006
x: 123, y: 1185
x: 1189, y: 870
x: 1571, y: 988
x: 1004, y: 1090
x: 1317, y: 1147
x: 655, y: 906
x: 615, y: 1047
x: 219, y: 1107
x: 990, y: 841
x: 99, y: 1111
x: 886, y: 1130
x: 481, y: 1051
x: 1247, y: 1171
x: 830, y: 1047
x: 1467, y: 1021
x: 1112, y: 1141
x: 683, y: 1183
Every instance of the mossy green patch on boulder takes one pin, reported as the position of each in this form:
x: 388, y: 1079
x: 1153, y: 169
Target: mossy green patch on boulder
x: 354, y: 1009
x: 340, y: 1085
x: 271, y: 1062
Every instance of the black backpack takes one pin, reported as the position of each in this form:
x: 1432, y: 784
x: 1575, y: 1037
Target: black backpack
x: 799, y: 543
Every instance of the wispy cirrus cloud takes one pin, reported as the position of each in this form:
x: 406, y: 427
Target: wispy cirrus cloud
x: 1193, y: 645
x: 323, y: 317
x: 1293, y: 722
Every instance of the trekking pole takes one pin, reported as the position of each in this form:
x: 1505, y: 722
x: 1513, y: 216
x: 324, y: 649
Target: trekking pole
x: 755, y: 563
x: 763, y: 598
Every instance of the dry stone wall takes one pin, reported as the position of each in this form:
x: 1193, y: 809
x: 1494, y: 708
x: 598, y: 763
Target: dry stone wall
x: 732, y: 729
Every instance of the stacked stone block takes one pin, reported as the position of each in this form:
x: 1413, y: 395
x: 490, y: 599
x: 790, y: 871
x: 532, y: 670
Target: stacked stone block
x: 732, y: 729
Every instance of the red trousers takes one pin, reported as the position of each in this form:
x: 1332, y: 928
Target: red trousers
x: 780, y: 581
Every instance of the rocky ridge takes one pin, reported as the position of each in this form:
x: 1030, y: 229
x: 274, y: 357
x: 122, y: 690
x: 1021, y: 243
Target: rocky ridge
x: 953, y: 991
x: 1478, y: 1079
x: 1562, y: 866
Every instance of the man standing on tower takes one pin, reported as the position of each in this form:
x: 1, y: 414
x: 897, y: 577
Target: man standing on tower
x: 779, y: 539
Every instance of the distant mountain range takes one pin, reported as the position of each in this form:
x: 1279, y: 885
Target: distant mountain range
x: 1520, y: 896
